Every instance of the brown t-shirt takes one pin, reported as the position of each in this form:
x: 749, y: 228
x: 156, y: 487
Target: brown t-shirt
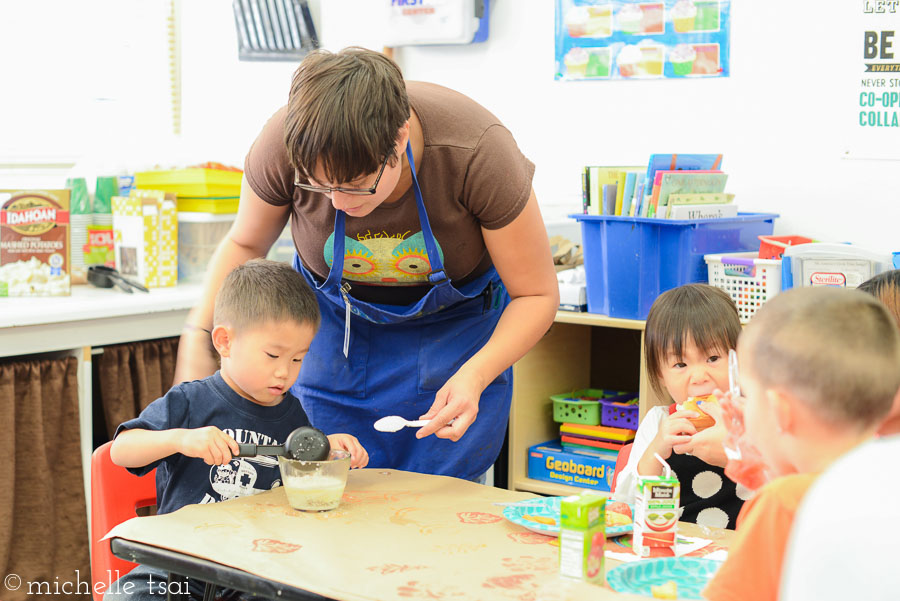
x: 472, y: 175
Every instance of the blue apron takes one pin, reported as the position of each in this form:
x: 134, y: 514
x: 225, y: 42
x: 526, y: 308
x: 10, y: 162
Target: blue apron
x: 395, y: 358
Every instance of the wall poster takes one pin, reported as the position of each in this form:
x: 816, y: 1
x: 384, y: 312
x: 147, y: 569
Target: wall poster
x: 640, y: 39
x: 872, y: 126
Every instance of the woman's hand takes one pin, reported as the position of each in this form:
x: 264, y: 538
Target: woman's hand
x: 210, y: 444
x: 708, y: 444
x: 456, y: 401
x: 359, y: 457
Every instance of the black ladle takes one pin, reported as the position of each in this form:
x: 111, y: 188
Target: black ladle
x: 303, y: 444
x: 107, y: 277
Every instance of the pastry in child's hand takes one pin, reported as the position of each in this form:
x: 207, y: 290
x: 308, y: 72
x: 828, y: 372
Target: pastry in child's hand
x: 695, y: 404
x: 669, y: 590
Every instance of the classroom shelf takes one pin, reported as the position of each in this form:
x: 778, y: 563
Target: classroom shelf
x: 581, y: 350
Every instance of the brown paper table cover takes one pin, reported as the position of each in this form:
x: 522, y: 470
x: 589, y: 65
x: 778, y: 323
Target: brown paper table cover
x: 396, y: 535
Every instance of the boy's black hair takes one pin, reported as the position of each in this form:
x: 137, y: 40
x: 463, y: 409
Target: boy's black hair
x: 261, y: 291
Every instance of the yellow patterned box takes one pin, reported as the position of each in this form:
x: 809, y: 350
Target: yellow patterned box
x: 168, y: 241
x: 145, y: 235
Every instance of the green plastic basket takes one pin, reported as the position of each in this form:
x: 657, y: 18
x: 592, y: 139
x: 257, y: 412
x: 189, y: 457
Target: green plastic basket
x: 581, y: 406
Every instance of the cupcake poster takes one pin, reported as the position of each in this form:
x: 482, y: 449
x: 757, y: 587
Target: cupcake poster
x: 639, y: 39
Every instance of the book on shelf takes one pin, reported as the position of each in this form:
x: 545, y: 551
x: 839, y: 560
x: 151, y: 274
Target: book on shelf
x: 638, y: 202
x: 627, y: 194
x: 675, y: 182
x: 700, y: 211
x: 585, y: 198
x: 609, y: 199
x: 697, y: 198
x: 594, y: 177
x: 678, y: 162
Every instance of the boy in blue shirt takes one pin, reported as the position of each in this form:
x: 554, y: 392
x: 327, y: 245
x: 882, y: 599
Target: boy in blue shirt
x: 265, y: 319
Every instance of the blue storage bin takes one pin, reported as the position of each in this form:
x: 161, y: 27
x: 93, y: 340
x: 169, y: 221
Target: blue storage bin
x: 629, y: 261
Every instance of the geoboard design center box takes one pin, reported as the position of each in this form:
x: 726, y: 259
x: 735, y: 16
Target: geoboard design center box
x: 548, y: 461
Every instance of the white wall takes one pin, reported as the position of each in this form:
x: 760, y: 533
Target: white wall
x: 779, y: 119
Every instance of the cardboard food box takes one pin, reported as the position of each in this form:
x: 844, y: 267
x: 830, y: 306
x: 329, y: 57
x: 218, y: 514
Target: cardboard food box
x: 145, y: 232
x: 100, y: 248
x: 656, y: 511
x: 35, y: 243
x: 548, y: 461
x: 582, y: 535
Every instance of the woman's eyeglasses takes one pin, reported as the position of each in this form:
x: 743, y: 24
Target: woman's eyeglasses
x: 352, y: 191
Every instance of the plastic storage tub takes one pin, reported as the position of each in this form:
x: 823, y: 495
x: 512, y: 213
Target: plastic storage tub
x: 748, y: 280
x: 629, y: 261
x: 772, y: 247
x: 198, y: 236
x: 582, y: 406
x: 823, y: 264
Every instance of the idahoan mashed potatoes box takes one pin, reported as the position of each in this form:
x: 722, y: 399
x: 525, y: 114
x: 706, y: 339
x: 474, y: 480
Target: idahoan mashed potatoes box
x: 34, y: 243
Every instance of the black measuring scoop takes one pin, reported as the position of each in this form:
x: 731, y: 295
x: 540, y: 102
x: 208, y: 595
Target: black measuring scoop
x: 303, y: 444
x: 103, y: 276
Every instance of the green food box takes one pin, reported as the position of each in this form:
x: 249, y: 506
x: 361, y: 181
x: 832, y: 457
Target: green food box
x: 582, y: 536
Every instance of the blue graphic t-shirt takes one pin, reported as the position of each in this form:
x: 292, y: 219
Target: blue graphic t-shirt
x: 184, y: 480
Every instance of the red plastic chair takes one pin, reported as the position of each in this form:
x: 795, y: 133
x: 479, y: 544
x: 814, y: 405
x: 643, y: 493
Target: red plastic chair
x: 621, y: 462
x: 116, y: 495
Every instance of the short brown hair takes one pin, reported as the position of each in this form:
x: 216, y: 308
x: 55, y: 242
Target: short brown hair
x: 695, y: 312
x: 886, y: 288
x: 344, y: 112
x: 261, y: 291
x: 837, y: 350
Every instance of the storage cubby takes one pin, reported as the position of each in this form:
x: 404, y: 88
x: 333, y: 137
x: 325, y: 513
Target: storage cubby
x: 580, y: 350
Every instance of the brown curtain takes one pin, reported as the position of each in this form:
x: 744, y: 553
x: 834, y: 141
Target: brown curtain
x: 132, y: 376
x: 43, y: 517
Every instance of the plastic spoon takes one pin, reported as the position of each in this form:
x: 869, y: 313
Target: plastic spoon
x: 303, y: 444
x: 393, y: 423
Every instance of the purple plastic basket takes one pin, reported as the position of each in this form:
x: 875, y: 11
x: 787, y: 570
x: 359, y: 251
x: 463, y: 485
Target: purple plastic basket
x: 618, y: 416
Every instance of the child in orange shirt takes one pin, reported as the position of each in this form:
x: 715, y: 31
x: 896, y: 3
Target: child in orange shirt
x: 818, y: 373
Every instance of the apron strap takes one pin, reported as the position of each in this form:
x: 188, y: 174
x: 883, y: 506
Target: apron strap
x: 437, y: 275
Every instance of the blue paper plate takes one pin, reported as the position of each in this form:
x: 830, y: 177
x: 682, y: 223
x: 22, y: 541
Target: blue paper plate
x: 690, y: 573
x: 549, y: 507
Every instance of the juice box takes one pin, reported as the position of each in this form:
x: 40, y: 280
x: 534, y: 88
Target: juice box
x: 582, y: 535
x: 655, y: 513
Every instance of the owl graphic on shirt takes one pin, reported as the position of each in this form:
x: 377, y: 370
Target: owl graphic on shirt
x: 384, y: 259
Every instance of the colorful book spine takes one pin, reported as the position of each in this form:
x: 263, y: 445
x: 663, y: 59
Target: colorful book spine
x: 704, y: 211
x: 620, y: 191
x: 628, y: 194
x: 585, y: 192
x: 666, y: 182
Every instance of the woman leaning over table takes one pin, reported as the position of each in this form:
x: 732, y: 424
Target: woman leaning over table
x: 414, y: 219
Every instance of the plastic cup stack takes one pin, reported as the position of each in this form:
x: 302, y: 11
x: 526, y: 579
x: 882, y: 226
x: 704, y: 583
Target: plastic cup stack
x: 107, y: 187
x: 80, y: 216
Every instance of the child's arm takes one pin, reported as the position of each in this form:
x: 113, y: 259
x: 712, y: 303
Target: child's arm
x: 137, y: 447
x: 359, y: 457
x: 626, y: 480
x: 674, y: 430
